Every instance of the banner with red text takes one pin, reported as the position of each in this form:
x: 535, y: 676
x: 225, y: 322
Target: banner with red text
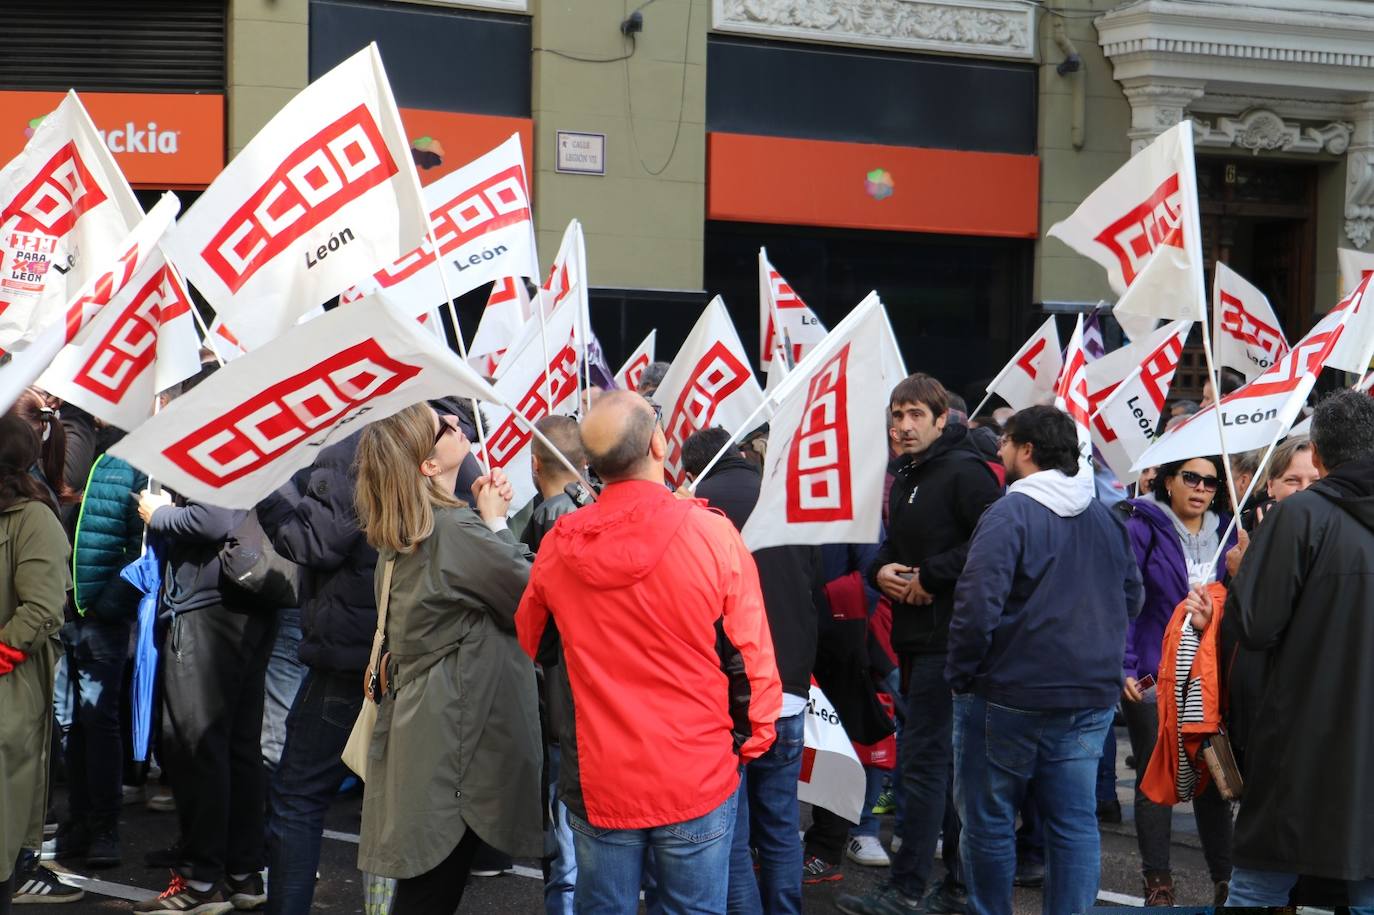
x: 1245, y: 330
x: 783, y: 317
x: 325, y: 194
x: 1126, y: 414
x: 64, y: 209
x: 245, y: 430
x: 1030, y: 376
x: 633, y: 369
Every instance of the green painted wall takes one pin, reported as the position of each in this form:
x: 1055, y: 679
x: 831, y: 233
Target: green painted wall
x: 269, y: 46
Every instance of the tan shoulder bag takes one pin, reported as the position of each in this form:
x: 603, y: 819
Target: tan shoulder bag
x: 360, y: 739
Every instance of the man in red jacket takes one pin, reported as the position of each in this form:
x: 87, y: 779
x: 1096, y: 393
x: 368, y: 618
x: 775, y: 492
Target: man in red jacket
x: 668, y: 662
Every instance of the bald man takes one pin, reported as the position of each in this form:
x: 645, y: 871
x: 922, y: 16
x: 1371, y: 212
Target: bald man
x: 667, y: 661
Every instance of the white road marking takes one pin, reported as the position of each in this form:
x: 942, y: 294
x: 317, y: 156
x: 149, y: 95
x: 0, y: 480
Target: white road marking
x: 104, y: 887
x: 1120, y: 899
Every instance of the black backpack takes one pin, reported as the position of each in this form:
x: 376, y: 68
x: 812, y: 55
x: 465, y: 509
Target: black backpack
x: 251, y: 573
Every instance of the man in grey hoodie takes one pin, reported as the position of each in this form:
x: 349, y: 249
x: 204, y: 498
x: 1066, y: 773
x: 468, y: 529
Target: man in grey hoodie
x: 1035, y: 648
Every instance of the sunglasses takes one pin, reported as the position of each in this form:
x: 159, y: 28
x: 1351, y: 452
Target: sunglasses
x: 445, y: 427
x: 1194, y: 480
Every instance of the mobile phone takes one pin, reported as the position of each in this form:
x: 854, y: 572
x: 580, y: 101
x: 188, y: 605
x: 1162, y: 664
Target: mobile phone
x: 1145, y: 682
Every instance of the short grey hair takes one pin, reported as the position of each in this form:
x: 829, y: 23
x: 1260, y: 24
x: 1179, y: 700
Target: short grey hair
x: 1343, y: 428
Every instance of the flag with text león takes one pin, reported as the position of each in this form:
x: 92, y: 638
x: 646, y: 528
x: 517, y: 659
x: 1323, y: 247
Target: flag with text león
x: 825, y: 456
x: 1245, y: 330
x: 73, y: 324
x: 1125, y: 413
x: 783, y: 317
x: 831, y: 774
x: 633, y: 369
x: 1030, y: 376
x: 246, y: 429
x: 484, y: 228
x: 325, y: 194
x: 709, y: 383
x: 140, y: 344
x: 64, y: 209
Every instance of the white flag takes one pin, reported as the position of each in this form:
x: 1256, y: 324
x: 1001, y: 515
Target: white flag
x: 822, y: 466
x: 322, y: 196
x: 242, y: 432
x: 64, y: 210
x: 1071, y: 396
x: 1126, y: 413
x: 831, y: 774
x: 536, y: 387
x: 1245, y: 331
x: 568, y: 275
x: 1355, y: 347
x: 140, y: 344
x: 1030, y: 376
x: 118, y: 271
x: 483, y: 225
x: 774, y: 372
x: 708, y: 384
x: 633, y: 369
x: 508, y: 308
x: 1354, y: 267
x: 779, y: 301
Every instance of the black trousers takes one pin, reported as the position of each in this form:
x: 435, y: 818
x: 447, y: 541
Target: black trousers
x: 6, y: 891
x: 438, y: 891
x: 95, y: 744
x: 213, y: 666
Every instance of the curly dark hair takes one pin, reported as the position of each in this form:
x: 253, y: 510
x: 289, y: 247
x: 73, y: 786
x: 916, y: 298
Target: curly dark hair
x: 18, y: 455
x: 1220, y: 503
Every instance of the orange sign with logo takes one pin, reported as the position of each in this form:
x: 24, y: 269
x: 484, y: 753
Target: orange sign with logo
x: 443, y: 141
x: 159, y: 140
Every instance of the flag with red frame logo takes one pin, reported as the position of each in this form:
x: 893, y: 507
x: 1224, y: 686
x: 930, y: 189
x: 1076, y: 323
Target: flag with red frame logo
x: 508, y: 308
x: 64, y: 209
x: 798, y: 324
x: 1029, y: 378
x: 1126, y: 413
x: 1245, y: 330
x: 633, y: 369
x: 1071, y: 396
x: 831, y: 774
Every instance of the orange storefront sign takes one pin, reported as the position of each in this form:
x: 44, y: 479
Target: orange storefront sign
x: 444, y: 141
x: 159, y: 140
x: 868, y: 186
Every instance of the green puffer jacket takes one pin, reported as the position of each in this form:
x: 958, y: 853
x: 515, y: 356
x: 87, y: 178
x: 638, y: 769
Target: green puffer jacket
x: 108, y: 536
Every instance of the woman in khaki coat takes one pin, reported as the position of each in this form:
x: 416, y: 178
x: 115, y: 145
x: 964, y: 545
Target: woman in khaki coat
x: 33, y: 587
x: 456, y: 753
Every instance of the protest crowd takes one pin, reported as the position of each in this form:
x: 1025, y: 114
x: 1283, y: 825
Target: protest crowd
x: 628, y: 623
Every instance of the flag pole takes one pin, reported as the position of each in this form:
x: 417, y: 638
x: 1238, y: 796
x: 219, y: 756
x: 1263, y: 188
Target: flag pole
x: 1235, y: 514
x: 744, y: 427
x: 208, y: 337
x: 458, y: 333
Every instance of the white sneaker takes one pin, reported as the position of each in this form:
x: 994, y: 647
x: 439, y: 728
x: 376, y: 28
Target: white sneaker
x: 868, y: 851
x: 895, y: 844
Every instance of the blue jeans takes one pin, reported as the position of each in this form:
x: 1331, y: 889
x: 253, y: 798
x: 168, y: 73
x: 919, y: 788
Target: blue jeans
x: 560, y: 860
x: 924, y: 756
x: 868, y: 820
x: 691, y: 864
x: 284, y: 675
x: 997, y: 751
x: 768, y: 818
x: 305, y: 782
x: 1258, y: 888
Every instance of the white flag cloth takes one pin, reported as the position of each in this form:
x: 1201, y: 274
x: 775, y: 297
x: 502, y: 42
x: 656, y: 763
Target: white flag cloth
x: 1355, y: 347
x: 1354, y: 267
x: 889, y: 355
x: 1262, y: 410
x: 64, y: 209
x: 568, y: 274
x: 508, y: 308
x: 831, y: 774
x: 822, y: 463
x: 1245, y: 331
x: 242, y: 432
x: 1126, y: 414
x: 774, y: 372
x: 122, y: 265
x: 1071, y: 396
x: 708, y: 384
x: 322, y: 196
x: 527, y: 384
x: 140, y: 344
x: 633, y: 369
x: 779, y: 301
x: 1030, y: 376
x: 223, y: 341
x: 483, y: 225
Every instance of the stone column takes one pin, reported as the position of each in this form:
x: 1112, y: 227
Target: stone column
x: 1156, y: 106
x: 1359, y: 180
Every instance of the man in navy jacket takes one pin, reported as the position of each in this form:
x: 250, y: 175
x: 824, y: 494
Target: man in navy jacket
x: 1034, y: 660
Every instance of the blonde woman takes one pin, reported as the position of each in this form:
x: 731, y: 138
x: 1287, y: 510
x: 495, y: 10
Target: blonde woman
x: 456, y: 753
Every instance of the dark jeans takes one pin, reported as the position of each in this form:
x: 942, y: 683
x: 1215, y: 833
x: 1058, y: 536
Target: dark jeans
x: 1106, y: 769
x: 767, y: 819
x: 284, y: 675
x: 96, y: 655
x: 1154, y: 823
x: 438, y: 891
x: 213, y: 664
x: 1030, y: 835
x: 305, y: 783
x: 925, y: 756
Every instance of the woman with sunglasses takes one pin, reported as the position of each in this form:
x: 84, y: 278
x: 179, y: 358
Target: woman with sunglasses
x: 1175, y: 531
x: 456, y: 753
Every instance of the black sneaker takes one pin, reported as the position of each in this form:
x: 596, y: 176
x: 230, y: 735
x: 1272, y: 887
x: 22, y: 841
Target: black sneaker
x: 1029, y: 874
x: 72, y: 840
x: 1109, y: 811
x: 818, y: 870
x: 182, y: 897
x: 104, y: 849
x: 886, y: 900
x: 246, y: 894
x: 38, y: 884
x: 946, y: 898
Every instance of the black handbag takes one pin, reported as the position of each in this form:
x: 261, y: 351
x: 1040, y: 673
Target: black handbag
x: 252, y: 574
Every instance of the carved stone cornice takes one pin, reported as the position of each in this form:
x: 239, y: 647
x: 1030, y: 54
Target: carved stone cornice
x: 984, y: 28
x: 1261, y: 130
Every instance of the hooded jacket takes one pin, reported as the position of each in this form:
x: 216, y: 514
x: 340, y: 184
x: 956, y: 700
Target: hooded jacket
x: 1164, y: 571
x: 191, y: 535
x: 1304, y: 596
x: 107, y: 536
x: 1040, y: 613
x: 936, y: 500
x: 791, y: 576
x: 652, y: 596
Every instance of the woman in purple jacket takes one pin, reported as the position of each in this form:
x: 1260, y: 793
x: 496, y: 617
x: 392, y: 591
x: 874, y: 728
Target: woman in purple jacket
x: 1175, y: 531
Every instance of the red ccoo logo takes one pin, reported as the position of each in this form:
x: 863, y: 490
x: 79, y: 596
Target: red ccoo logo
x: 718, y: 374
x: 510, y: 438
x: 819, y: 487
x: 131, y: 344
x: 56, y: 197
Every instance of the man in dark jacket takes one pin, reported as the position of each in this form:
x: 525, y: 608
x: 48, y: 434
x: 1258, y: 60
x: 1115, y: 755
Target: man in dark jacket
x: 1035, y: 650
x: 1303, y: 595
x: 942, y: 485
x: 768, y: 816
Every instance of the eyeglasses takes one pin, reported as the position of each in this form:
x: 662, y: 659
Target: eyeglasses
x: 1194, y: 480
x: 445, y: 427
x: 658, y: 420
